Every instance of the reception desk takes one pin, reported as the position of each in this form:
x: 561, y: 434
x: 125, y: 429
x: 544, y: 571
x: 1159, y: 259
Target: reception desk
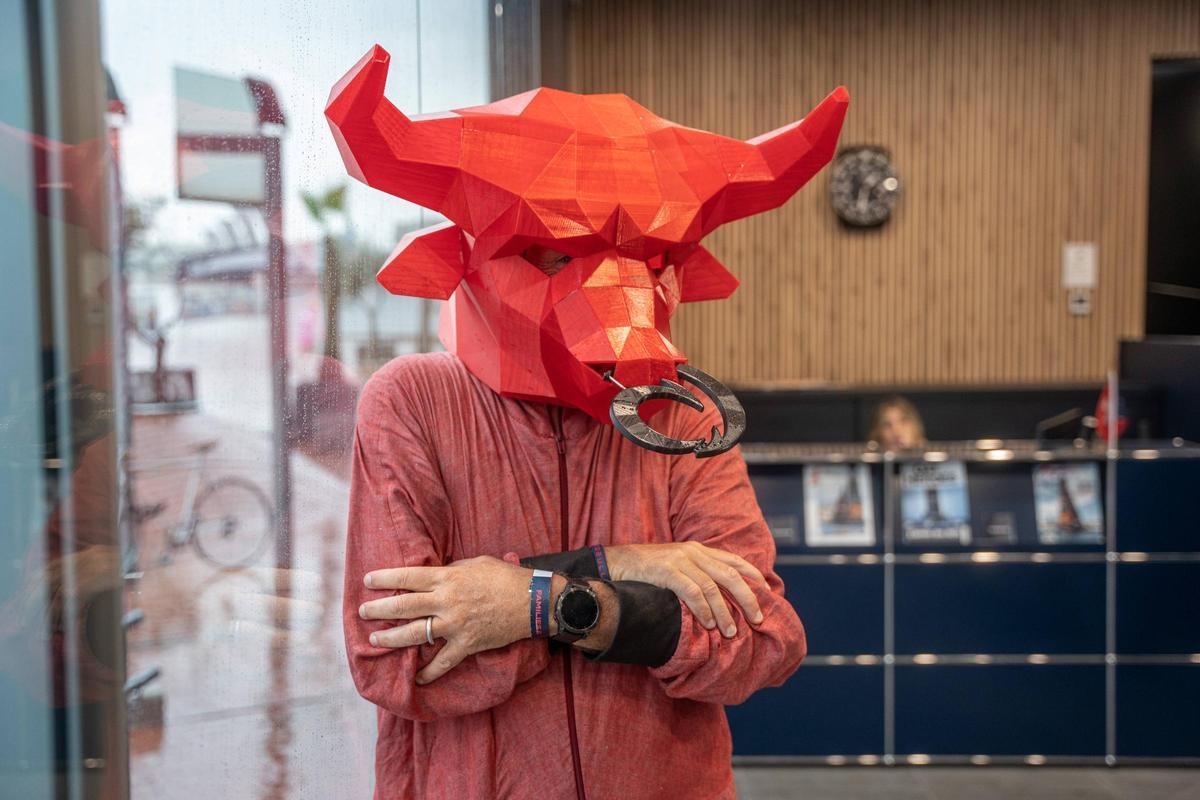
x: 1010, y: 647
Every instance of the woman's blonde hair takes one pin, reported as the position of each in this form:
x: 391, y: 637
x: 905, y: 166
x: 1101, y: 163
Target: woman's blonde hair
x: 902, y: 405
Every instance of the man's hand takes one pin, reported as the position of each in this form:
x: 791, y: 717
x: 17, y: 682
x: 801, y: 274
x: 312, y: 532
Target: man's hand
x: 695, y: 573
x: 477, y: 604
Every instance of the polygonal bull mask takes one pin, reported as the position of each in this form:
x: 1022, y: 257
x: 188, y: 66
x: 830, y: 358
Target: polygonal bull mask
x: 573, y: 234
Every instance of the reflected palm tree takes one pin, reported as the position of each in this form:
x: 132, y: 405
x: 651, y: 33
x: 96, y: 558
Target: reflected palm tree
x: 324, y: 209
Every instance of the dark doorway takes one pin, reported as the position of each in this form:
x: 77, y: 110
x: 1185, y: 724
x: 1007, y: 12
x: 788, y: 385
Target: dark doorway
x: 1173, y: 249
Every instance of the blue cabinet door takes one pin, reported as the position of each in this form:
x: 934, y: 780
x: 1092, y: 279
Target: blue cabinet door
x: 1158, y: 507
x: 1157, y: 608
x: 1000, y: 710
x: 1000, y: 608
x: 819, y: 711
x: 1158, y: 710
x: 841, y: 606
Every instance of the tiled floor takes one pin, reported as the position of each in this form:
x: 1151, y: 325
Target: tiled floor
x: 969, y: 783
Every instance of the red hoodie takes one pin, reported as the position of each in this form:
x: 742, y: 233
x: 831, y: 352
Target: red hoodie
x: 446, y: 469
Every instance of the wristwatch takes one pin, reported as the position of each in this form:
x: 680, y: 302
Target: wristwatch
x: 577, y: 611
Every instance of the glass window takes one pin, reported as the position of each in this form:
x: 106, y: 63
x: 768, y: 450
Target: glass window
x: 193, y: 317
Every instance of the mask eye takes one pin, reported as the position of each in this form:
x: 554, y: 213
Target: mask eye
x: 546, y: 259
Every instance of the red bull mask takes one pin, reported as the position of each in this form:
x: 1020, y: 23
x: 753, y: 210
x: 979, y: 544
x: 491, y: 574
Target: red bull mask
x: 573, y: 234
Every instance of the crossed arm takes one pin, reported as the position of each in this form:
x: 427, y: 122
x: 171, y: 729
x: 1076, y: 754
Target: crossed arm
x: 483, y: 603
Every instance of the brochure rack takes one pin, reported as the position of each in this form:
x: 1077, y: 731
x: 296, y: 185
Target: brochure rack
x: 990, y: 652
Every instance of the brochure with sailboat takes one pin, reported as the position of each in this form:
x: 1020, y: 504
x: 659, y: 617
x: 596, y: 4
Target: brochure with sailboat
x: 1068, y: 503
x: 839, y: 508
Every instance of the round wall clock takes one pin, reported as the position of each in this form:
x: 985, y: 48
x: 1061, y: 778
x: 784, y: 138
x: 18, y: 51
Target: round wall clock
x: 864, y: 186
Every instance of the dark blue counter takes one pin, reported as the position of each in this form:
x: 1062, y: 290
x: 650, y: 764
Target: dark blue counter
x: 1022, y: 652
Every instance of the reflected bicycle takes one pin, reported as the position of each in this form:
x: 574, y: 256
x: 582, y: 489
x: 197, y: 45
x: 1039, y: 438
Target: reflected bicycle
x: 228, y: 520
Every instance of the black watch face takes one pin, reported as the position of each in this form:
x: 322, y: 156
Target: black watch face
x: 579, y: 609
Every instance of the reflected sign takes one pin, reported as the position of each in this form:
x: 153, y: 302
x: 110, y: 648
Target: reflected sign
x: 220, y: 151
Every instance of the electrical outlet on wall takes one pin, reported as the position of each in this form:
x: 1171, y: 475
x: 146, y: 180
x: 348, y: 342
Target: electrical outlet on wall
x: 1079, y: 302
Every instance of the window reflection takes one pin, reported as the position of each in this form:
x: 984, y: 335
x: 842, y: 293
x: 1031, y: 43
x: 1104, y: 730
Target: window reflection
x: 158, y: 610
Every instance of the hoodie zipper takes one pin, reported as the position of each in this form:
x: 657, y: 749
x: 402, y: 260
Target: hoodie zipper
x: 568, y: 686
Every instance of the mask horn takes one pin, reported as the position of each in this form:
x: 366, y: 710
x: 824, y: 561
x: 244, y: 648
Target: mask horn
x: 787, y: 158
x: 416, y: 159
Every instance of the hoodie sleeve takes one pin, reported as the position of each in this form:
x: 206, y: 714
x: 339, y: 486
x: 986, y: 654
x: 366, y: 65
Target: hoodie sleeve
x: 713, y: 503
x: 400, y: 516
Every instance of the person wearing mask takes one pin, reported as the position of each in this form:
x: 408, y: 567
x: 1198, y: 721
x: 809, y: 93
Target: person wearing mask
x: 539, y: 604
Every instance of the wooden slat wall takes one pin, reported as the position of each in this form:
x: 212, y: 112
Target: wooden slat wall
x: 514, y: 54
x: 1015, y: 125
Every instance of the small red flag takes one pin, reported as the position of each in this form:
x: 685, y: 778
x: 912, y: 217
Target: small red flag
x: 1102, y: 415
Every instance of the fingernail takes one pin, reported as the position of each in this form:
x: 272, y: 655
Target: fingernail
x: 731, y: 631
x: 362, y: 611
x: 758, y: 618
x: 420, y: 681
x: 708, y: 623
x: 368, y: 581
x: 374, y: 640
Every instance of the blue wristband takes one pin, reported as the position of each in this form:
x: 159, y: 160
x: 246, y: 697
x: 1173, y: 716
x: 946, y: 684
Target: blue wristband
x: 601, y: 562
x: 539, y: 604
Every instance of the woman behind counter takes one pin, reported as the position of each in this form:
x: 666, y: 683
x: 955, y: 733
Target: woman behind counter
x: 896, y: 425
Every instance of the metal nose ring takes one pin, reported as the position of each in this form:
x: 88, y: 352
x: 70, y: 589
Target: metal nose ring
x: 624, y: 413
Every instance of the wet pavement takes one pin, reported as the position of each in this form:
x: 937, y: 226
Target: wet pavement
x: 256, y: 696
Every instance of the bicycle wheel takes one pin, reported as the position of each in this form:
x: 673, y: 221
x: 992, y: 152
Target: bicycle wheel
x: 233, y: 522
